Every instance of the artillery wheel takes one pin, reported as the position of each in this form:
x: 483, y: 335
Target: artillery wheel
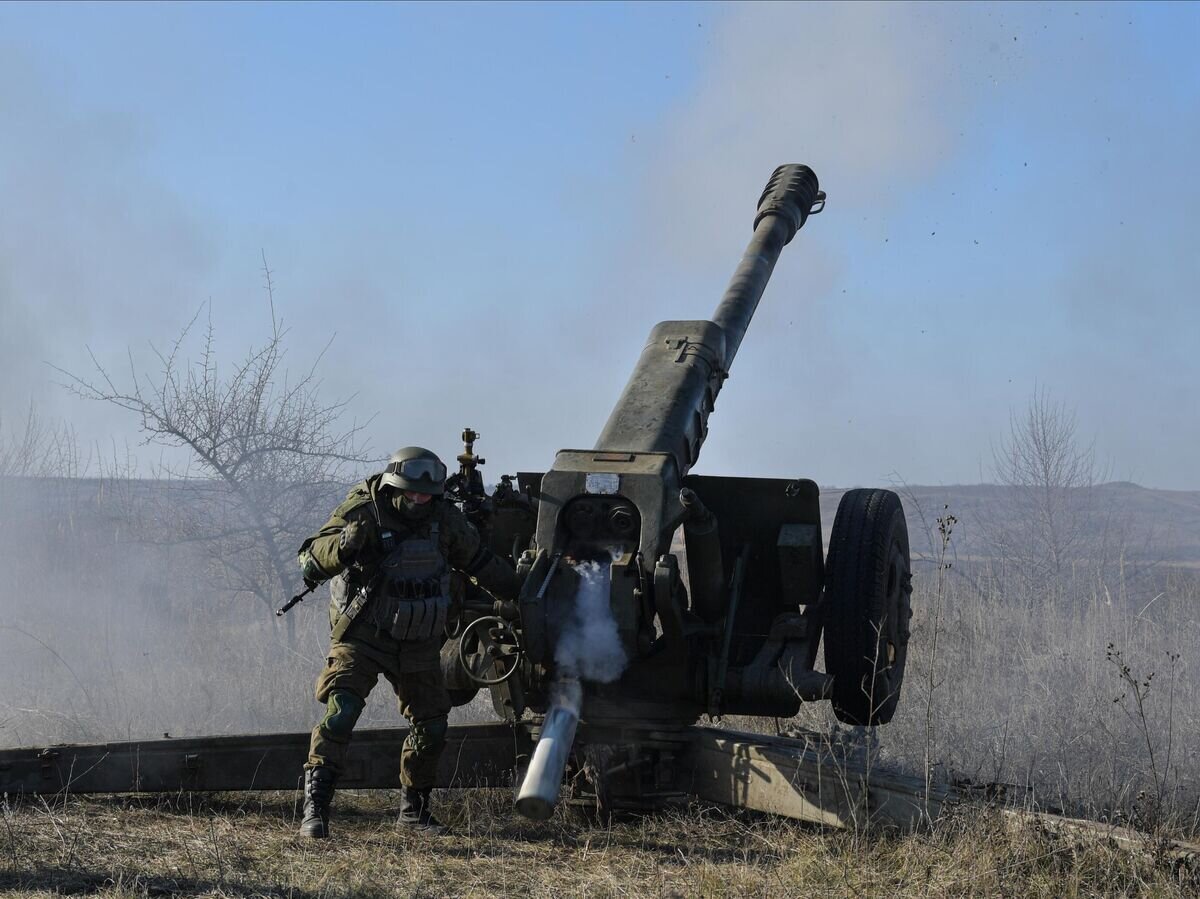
x: 489, y: 651
x: 868, y: 605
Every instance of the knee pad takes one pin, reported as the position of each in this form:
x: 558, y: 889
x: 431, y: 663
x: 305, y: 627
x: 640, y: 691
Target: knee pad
x: 428, y: 735
x: 341, y: 713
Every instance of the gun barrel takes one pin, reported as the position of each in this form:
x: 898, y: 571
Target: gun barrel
x: 782, y: 210
x: 665, y: 405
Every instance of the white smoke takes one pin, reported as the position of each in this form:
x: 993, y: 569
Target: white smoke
x: 589, y: 647
x: 566, y: 692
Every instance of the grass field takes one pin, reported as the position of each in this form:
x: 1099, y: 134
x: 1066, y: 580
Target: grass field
x: 1082, y: 687
x: 243, y: 845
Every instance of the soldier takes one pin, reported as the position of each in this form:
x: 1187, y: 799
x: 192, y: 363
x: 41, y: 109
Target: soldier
x: 387, y: 552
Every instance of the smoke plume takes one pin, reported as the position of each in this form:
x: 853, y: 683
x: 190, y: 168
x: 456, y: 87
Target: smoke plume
x: 589, y: 647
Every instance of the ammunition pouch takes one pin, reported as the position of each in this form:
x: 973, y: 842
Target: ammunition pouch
x: 415, y: 619
x: 407, y: 594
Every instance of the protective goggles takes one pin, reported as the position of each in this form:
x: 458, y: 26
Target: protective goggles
x: 418, y: 470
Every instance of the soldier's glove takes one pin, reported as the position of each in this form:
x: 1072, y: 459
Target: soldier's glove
x: 497, y: 577
x: 354, y: 536
x: 309, y: 570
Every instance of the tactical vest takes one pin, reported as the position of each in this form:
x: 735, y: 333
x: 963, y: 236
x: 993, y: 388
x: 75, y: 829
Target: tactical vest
x: 407, y: 594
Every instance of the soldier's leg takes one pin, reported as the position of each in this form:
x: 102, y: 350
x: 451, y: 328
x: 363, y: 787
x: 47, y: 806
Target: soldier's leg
x: 343, y: 685
x: 424, y: 701
x: 426, y: 704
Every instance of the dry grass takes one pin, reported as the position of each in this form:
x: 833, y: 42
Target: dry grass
x: 244, y: 845
x: 1028, y: 689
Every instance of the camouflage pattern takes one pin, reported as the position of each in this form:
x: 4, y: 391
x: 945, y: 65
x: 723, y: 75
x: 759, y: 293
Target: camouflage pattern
x: 359, y: 652
x: 322, y: 555
x: 352, y: 668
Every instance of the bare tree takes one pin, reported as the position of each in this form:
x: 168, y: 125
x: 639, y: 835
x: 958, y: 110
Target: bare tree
x: 265, y: 453
x: 1049, y: 515
x: 37, y: 449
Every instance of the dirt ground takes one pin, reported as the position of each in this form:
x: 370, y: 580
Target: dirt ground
x: 244, y: 845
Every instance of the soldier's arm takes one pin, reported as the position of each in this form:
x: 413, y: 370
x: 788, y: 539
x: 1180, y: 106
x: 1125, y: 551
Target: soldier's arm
x: 328, y: 552
x: 469, y: 554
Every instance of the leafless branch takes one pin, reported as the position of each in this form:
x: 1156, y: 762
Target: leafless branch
x: 268, y: 450
x: 1050, y: 520
x: 37, y: 449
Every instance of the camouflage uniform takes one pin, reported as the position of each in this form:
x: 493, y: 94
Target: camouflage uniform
x: 361, y: 650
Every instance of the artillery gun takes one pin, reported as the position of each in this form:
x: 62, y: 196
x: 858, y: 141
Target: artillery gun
x: 735, y: 630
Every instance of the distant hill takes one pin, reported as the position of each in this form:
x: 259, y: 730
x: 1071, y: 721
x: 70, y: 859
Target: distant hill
x: 1161, y: 526
x: 1155, y: 525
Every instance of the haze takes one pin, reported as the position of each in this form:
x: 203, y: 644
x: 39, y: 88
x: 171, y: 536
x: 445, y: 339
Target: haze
x: 489, y: 206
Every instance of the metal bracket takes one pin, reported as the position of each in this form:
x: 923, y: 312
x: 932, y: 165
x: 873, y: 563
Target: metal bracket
x: 716, y: 693
x: 46, y: 758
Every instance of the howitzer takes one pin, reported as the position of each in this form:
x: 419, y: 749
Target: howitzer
x: 735, y: 629
x: 597, y: 539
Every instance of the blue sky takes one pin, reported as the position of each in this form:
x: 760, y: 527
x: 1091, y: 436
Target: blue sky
x: 490, y: 205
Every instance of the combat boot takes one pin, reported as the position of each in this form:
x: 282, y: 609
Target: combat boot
x: 415, y: 811
x: 318, y: 794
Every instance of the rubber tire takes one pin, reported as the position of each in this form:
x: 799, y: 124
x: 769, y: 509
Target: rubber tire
x: 458, y: 685
x: 868, y: 606
x: 461, y: 697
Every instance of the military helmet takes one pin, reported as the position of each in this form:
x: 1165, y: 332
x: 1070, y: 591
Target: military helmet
x: 415, y: 468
